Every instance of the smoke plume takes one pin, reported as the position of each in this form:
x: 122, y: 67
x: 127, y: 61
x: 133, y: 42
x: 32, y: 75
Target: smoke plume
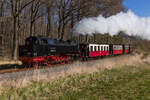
x: 128, y: 22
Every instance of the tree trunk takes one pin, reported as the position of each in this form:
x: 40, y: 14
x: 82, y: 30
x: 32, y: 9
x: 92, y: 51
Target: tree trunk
x: 2, y: 9
x: 87, y: 38
x: 63, y: 31
x: 49, y: 22
x: 31, y: 28
x: 59, y: 30
x: 31, y: 20
x: 15, y: 40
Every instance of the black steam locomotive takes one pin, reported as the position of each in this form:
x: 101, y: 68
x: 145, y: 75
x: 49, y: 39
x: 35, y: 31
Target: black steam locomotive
x: 46, y: 51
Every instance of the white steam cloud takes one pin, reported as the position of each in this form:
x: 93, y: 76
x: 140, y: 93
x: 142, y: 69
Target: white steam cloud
x: 126, y: 22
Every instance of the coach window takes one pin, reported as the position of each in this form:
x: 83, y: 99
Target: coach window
x: 101, y: 48
x: 98, y: 48
x: 114, y: 48
x: 104, y: 48
x: 95, y: 48
x: 107, y: 49
x: 91, y: 48
x: 117, y: 48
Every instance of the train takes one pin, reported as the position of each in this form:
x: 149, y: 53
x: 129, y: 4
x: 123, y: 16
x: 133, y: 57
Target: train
x: 46, y: 51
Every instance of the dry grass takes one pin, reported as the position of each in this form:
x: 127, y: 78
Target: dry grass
x: 9, y: 62
x: 70, y: 70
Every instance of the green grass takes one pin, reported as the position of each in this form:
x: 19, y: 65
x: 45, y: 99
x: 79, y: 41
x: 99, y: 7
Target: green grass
x: 125, y: 83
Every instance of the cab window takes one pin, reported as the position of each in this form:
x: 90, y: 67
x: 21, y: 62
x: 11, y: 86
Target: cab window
x: 44, y: 42
x: 32, y: 41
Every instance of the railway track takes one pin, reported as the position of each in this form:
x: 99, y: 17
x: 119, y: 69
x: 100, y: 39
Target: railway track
x: 20, y: 68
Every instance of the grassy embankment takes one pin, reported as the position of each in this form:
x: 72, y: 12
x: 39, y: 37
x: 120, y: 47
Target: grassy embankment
x: 124, y: 83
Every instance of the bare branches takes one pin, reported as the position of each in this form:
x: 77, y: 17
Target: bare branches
x: 54, y: 18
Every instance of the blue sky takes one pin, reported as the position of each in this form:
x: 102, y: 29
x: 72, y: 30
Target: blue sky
x: 139, y: 7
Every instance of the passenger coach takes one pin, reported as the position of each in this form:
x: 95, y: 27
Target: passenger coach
x: 98, y: 50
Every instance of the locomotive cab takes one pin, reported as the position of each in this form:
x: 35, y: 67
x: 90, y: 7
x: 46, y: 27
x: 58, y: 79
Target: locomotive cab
x: 31, y: 41
x: 27, y: 49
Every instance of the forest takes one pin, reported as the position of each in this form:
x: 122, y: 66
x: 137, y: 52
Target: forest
x: 52, y: 18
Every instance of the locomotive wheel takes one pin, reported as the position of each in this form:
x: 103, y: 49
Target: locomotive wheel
x: 48, y: 64
x: 25, y: 65
x: 35, y: 65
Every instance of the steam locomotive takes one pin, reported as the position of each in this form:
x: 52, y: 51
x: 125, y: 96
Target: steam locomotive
x: 46, y: 51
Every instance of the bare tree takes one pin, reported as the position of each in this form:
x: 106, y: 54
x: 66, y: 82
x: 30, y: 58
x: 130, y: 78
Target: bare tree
x: 17, y: 7
x: 54, y: 17
x: 35, y: 13
x: 2, y: 7
x: 50, y: 9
